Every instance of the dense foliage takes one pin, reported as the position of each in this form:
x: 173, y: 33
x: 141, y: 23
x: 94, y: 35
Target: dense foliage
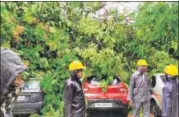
x: 49, y: 35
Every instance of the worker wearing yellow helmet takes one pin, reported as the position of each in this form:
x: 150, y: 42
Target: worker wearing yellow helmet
x: 170, y: 92
x: 74, y: 100
x: 139, y: 91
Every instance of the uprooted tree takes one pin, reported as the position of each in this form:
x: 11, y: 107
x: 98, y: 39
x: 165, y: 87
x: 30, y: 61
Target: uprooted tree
x: 49, y: 35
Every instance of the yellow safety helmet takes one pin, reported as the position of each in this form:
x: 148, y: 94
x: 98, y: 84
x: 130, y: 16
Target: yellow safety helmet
x: 171, y: 70
x: 141, y: 62
x: 75, y: 65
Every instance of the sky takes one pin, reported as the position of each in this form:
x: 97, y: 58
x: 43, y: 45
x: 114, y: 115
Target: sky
x: 120, y: 6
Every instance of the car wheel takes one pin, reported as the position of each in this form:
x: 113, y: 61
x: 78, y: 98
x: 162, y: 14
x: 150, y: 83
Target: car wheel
x: 155, y: 110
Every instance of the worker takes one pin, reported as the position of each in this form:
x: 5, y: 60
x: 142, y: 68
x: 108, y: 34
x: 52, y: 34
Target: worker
x: 139, y: 91
x: 74, y: 100
x: 170, y: 92
x: 11, y: 80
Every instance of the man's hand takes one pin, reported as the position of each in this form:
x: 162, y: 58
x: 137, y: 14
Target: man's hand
x: 131, y: 103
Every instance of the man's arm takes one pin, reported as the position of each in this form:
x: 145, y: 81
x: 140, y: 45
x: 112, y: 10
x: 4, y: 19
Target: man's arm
x: 167, y: 95
x: 131, y: 87
x: 150, y: 86
x: 68, y: 98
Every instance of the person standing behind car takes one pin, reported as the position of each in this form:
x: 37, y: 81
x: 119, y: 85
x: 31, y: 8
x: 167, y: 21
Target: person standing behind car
x: 139, y: 91
x: 170, y: 92
x: 74, y: 100
x: 11, y: 80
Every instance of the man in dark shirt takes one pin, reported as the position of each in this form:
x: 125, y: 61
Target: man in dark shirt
x: 170, y: 92
x: 74, y: 100
x: 11, y: 80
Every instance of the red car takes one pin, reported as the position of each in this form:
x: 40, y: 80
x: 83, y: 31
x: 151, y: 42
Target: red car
x: 112, y: 103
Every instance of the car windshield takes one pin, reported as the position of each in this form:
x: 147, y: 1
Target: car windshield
x: 32, y: 85
x: 96, y: 81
